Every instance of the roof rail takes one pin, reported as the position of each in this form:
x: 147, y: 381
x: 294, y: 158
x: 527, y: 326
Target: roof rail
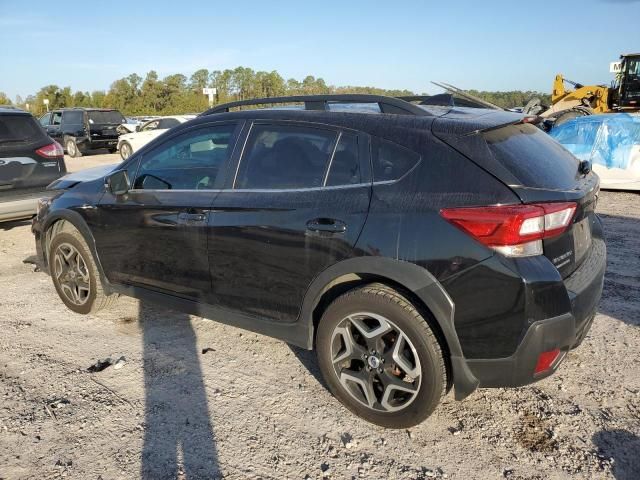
x: 320, y: 102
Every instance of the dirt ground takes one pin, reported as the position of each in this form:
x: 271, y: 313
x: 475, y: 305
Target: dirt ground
x: 253, y: 407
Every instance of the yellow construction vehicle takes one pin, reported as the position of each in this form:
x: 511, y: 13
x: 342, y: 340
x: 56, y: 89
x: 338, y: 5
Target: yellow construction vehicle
x: 622, y: 96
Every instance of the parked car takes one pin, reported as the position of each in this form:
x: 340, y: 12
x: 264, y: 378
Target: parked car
x: 415, y: 249
x: 29, y: 161
x: 131, y: 142
x: 80, y: 130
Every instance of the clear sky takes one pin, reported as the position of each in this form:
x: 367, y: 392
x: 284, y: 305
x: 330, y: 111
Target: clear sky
x: 486, y: 45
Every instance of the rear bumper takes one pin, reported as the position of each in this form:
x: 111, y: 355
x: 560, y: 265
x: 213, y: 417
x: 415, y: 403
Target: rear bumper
x: 95, y: 143
x: 21, y: 205
x: 562, y: 332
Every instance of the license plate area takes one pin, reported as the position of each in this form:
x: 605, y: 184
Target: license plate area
x: 581, y: 238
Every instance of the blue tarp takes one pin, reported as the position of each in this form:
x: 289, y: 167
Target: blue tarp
x: 605, y: 140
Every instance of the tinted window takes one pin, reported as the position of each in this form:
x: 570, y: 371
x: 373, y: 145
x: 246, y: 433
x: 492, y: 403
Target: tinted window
x: 345, y: 167
x: 279, y: 156
x: 168, y: 123
x: 190, y: 161
x: 391, y: 161
x: 534, y: 158
x: 56, y: 118
x: 105, y: 117
x: 18, y: 128
x: 71, y: 117
x: 45, y: 119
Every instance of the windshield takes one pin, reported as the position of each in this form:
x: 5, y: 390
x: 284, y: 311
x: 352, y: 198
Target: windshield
x: 106, y: 117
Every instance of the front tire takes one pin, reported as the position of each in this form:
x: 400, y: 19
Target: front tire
x: 380, y: 358
x: 125, y: 150
x: 75, y: 274
x: 72, y: 148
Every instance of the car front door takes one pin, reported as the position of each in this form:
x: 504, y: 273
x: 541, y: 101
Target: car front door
x: 155, y: 235
x: 296, y: 206
x: 55, y: 127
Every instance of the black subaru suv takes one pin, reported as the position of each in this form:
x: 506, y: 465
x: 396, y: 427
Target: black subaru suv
x: 29, y: 161
x: 415, y: 248
x: 82, y: 129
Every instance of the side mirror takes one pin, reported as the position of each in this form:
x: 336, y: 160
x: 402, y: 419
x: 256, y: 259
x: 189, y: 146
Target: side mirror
x: 137, y: 128
x: 118, y: 182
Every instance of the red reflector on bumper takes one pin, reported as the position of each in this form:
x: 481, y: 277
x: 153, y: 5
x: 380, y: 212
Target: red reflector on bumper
x: 545, y: 360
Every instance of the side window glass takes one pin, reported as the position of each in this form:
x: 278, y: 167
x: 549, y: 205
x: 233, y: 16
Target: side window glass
x: 166, y: 123
x: 191, y: 161
x: 345, y: 167
x: 45, y: 119
x: 56, y: 118
x: 72, y: 117
x: 391, y: 161
x: 150, y: 126
x: 284, y: 156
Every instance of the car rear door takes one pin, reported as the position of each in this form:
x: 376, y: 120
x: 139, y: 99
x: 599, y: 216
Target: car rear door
x: 155, y: 236
x: 296, y: 205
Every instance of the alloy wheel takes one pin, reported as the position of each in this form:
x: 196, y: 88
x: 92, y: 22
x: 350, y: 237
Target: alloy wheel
x: 71, y: 274
x: 375, y: 362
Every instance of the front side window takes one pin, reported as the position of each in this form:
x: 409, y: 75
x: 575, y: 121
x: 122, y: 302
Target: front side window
x: 152, y: 125
x: 285, y: 157
x: 191, y: 161
x: 45, y: 119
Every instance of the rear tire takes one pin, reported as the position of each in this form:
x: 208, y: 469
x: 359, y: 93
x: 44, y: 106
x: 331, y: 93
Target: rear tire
x: 72, y: 149
x: 380, y: 358
x: 75, y: 274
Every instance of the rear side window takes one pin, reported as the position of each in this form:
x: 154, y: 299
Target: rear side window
x: 18, y: 128
x: 391, y: 161
x: 72, y: 117
x: 345, y: 166
x: 168, y: 123
x: 285, y: 157
x: 534, y: 158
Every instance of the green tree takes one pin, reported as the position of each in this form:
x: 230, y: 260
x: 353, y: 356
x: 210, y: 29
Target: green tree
x: 4, y: 100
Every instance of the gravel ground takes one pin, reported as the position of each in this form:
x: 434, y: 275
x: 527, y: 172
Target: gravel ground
x: 253, y: 407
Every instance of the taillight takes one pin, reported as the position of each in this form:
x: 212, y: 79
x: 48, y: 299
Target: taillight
x: 52, y: 150
x: 513, y: 230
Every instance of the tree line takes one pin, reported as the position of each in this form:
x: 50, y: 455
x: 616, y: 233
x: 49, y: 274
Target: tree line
x: 177, y: 93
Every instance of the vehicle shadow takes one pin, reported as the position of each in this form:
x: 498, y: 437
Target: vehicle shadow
x: 309, y: 361
x: 178, y: 439
x: 623, y: 446
x: 622, y: 278
x: 15, y: 224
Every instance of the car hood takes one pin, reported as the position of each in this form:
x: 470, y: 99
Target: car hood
x: 86, y: 175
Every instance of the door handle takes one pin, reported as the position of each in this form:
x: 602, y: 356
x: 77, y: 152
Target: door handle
x: 329, y: 225
x: 191, y: 217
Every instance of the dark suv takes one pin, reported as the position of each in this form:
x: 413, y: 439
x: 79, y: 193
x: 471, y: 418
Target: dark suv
x: 29, y: 161
x: 82, y: 129
x: 416, y: 248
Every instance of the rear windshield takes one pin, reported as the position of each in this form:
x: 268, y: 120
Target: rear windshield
x: 18, y: 128
x: 533, y: 157
x: 112, y: 117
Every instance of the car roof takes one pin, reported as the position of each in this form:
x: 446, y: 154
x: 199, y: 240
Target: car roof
x: 8, y: 109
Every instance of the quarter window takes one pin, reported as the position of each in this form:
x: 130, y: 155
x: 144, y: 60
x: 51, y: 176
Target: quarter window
x: 285, y: 157
x: 391, y: 161
x: 191, y: 161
